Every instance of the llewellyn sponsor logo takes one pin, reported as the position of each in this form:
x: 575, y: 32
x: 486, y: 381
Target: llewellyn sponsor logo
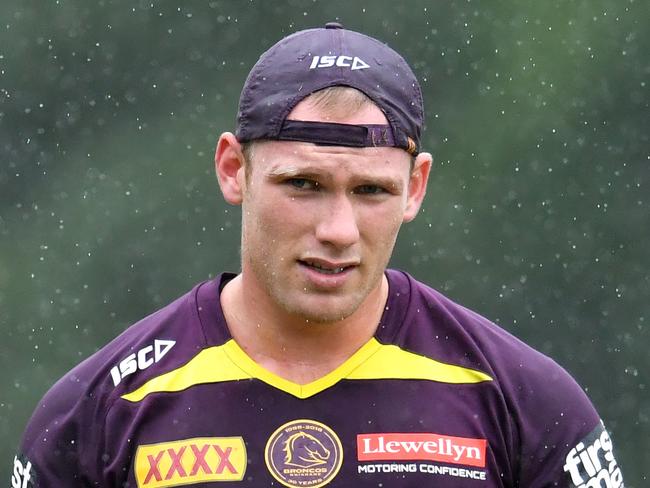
x: 202, y: 459
x: 423, y: 447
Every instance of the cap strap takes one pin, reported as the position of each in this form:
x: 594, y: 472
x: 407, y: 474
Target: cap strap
x: 333, y: 134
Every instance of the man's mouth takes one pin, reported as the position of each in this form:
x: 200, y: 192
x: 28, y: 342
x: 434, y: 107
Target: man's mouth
x: 325, y: 268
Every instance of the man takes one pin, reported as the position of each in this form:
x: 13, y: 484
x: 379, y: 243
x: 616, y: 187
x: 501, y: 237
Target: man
x: 315, y: 365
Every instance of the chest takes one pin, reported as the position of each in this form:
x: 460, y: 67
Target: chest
x: 396, y: 433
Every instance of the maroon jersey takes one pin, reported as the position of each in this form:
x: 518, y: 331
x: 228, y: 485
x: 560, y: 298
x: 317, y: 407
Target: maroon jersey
x: 438, y: 397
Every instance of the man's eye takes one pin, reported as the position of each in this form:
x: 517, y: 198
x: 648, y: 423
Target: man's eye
x: 369, y: 190
x: 303, y: 183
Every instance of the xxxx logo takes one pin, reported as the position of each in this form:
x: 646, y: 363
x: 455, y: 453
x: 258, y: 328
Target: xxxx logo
x: 201, y: 459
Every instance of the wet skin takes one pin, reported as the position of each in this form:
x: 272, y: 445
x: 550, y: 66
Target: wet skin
x: 319, y: 224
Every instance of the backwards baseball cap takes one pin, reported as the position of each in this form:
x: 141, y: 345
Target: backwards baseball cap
x: 313, y: 59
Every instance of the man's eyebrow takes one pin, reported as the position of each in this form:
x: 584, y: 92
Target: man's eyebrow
x: 387, y: 182
x: 283, y: 171
x: 293, y: 171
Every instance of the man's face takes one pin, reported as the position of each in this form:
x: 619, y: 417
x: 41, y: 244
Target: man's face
x: 320, y: 222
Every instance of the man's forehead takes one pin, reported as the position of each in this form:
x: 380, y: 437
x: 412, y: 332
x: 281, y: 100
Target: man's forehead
x: 292, y: 157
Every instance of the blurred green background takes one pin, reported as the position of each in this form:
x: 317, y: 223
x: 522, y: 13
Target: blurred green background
x: 538, y: 213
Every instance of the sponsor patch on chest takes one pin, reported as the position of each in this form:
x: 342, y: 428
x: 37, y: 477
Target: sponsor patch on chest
x: 423, y: 447
x: 423, y: 453
x: 304, y: 453
x: 201, y: 459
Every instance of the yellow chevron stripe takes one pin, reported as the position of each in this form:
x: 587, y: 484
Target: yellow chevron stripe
x: 373, y: 361
x: 211, y: 365
x: 391, y: 362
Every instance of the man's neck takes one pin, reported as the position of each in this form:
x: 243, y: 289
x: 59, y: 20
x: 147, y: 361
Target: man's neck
x: 290, y: 346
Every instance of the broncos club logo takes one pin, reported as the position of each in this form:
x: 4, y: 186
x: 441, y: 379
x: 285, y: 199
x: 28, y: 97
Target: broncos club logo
x: 304, y: 453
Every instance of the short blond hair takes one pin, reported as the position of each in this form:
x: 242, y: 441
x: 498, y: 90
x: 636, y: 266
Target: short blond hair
x: 338, y: 101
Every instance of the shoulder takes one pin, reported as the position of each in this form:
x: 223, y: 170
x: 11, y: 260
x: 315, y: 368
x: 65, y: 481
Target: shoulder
x: 69, y: 418
x: 548, y: 410
x: 437, y: 325
x: 160, y: 341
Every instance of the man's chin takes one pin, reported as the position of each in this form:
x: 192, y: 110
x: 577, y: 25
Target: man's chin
x: 322, y: 310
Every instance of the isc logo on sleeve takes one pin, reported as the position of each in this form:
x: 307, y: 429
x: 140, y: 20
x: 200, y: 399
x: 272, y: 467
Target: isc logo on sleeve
x: 140, y: 360
x: 201, y: 459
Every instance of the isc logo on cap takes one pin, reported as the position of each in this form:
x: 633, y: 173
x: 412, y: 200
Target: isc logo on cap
x: 343, y: 61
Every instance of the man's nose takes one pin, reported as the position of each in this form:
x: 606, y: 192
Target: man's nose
x: 337, y: 224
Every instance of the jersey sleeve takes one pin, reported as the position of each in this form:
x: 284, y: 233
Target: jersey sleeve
x: 61, y: 446
x: 563, y: 442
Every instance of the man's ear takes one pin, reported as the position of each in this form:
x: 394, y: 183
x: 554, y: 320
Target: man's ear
x: 229, y: 165
x: 417, y: 185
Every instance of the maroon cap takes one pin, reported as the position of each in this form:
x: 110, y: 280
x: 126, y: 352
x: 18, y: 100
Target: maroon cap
x: 313, y: 59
